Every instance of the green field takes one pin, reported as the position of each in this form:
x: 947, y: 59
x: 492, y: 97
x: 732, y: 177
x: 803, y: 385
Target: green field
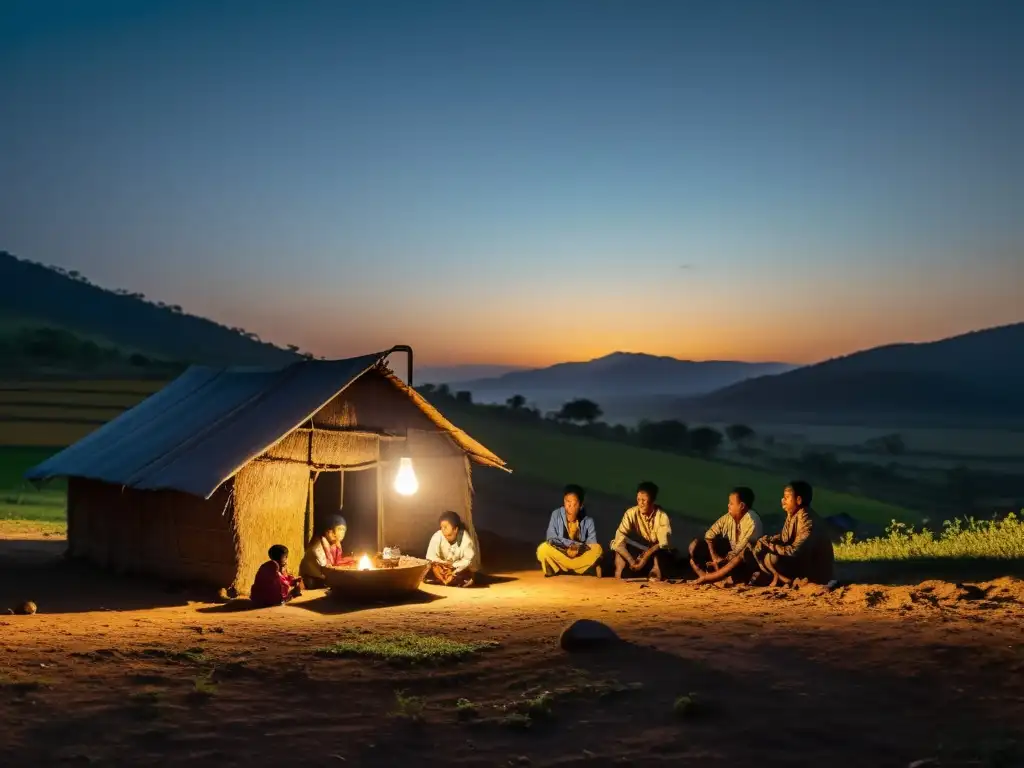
x: 693, y: 487
x: 19, y: 500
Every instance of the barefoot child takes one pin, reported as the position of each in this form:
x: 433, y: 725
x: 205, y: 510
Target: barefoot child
x: 273, y: 585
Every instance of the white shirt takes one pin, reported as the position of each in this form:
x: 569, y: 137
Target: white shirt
x: 460, y: 554
x: 642, y: 531
x: 747, y: 531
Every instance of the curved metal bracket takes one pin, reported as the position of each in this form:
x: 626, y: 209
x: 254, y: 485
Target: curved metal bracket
x: 408, y: 350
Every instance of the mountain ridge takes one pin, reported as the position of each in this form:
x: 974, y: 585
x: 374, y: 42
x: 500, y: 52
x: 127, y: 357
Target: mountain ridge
x: 978, y: 372
x: 618, y: 374
x: 66, y: 299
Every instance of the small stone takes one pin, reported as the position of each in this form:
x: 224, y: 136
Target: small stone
x: 586, y: 633
x: 928, y: 762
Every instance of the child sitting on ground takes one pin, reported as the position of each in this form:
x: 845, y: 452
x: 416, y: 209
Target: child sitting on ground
x: 273, y: 585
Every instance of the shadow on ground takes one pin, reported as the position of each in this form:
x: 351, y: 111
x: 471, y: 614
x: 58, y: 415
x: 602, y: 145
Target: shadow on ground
x: 909, y: 572
x: 38, y: 571
x: 329, y: 605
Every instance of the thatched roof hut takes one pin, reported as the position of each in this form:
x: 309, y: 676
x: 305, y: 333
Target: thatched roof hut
x: 198, y: 481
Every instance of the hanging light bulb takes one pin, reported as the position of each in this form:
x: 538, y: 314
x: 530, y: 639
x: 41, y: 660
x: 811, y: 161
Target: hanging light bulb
x: 405, y: 481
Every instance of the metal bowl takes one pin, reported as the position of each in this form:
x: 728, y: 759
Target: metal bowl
x: 350, y: 583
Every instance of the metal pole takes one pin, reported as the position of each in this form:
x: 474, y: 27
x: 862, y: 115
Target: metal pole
x: 408, y: 350
x: 380, y: 501
x: 310, y: 521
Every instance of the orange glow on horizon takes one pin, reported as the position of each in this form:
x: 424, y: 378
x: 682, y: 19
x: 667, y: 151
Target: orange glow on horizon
x: 741, y: 321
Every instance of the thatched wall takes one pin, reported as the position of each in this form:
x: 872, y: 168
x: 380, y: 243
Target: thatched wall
x: 160, y: 533
x: 270, y: 508
x: 328, y: 449
x: 373, y: 402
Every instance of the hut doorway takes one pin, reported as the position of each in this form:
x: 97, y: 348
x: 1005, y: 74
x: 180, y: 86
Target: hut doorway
x: 353, y: 495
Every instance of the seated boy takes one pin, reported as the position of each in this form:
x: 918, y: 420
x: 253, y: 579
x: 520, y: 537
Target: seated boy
x: 642, y: 543
x: 451, y: 553
x: 723, y: 554
x: 803, y: 550
x: 571, y: 544
x: 273, y: 585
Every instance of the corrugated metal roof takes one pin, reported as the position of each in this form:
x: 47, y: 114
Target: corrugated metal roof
x: 204, y: 426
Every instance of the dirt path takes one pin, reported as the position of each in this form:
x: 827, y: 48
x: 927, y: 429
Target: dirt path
x: 106, y: 674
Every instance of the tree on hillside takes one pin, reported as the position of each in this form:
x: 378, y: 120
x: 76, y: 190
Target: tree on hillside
x: 516, y: 402
x: 580, y: 410
x: 670, y: 435
x: 443, y: 390
x: 891, y: 444
x: 464, y: 396
x: 426, y: 389
x: 738, y: 433
x: 705, y: 441
x: 821, y: 464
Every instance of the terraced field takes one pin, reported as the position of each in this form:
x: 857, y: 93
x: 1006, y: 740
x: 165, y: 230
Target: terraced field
x: 54, y: 413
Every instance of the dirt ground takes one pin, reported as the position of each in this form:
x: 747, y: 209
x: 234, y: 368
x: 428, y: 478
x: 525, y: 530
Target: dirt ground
x: 109, y: 672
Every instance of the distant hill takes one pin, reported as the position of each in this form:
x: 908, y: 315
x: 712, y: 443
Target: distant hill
x: 37, y: 295
x: 456, y: 374
x: 618, y: 375
x: 978, y: 373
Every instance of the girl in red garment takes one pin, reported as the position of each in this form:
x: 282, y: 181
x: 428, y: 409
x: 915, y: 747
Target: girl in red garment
x: 273, y: 585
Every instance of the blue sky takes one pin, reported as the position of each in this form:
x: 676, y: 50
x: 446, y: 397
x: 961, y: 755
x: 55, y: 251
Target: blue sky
x: 528, y: 182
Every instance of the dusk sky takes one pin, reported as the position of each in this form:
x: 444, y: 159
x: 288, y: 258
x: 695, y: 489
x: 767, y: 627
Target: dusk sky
x: 528, y: 182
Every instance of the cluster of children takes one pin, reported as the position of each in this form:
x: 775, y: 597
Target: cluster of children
x: 273, y: 585
x: 733, y: 549
x: 451, y: 554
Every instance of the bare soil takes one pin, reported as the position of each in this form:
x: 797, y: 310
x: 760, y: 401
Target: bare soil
x: 111, y: 672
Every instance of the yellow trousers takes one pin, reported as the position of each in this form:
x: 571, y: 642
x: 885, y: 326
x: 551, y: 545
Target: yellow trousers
x: 553, y: 560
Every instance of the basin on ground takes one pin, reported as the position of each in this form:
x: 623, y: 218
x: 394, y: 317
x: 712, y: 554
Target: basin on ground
x: 377, y: 583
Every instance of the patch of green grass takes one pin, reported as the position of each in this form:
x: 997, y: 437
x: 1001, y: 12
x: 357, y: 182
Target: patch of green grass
x: 192, y: 655
x: 409, y: 707
x: 405, y: 647
x: 466, y: 709
x: 961, y: 540
x: 686, y: 706
x: 517, y: 720
x: 19, y: 499
x: 539, y: 707
x: 534, y: 708
x: 693, y: 487
x: 204, y: 685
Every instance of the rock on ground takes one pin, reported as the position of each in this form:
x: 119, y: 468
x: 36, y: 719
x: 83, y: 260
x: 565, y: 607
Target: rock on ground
x: 584, y: 634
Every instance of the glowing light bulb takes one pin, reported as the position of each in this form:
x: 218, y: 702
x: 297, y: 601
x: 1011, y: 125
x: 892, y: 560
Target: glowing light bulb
x: 364, y: 563
x: 405, y: 481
